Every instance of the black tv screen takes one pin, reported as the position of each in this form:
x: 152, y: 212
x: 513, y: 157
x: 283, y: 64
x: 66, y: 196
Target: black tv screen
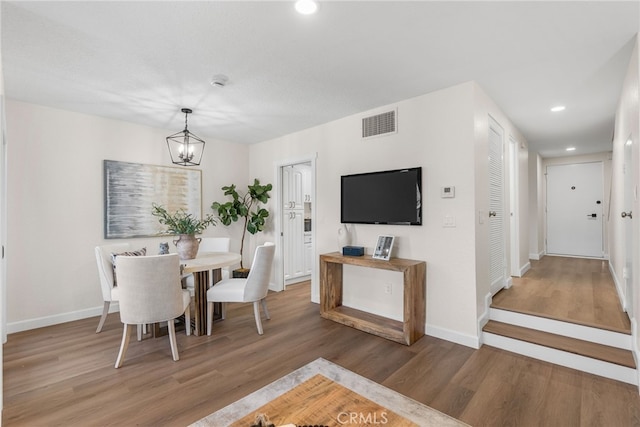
x: 387, y: 197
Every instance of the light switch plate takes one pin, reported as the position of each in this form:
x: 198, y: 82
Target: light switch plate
x: 449, y: 221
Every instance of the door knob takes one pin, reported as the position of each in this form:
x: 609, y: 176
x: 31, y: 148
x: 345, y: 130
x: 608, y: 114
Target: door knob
x: 626, y: 214
x: 492, y: 213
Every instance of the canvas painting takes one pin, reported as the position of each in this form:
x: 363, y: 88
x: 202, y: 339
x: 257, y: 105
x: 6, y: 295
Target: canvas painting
x: 132, y: 188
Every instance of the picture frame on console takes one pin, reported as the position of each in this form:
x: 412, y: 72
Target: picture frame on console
x: 383, y: 247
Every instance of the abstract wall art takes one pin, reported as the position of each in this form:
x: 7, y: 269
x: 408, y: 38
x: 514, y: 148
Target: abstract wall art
x: 130, y: 189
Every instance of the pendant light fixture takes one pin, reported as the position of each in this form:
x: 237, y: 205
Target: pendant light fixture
x: 185, y: 148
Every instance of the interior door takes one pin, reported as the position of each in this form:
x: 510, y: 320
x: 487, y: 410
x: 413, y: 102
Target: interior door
x: 627, y: 216
x: 297, y: 206
x: 574, y: 209
x: 497, y: 252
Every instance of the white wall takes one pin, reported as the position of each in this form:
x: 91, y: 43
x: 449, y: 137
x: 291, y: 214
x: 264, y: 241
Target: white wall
x: 55, y: 198
x: 626, y: 124
x: 56, y: 214
x: 438, y: 132
x: 3, y: 225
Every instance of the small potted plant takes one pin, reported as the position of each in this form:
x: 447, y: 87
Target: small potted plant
x: 186, y: 226
x: 240, y: 206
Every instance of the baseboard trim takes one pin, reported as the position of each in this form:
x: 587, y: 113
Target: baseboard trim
x: 41, y: 322
x: 484, y: 319
x: 619, y: 287
x: 536, y: 257
x: 453, y: 336
x: 525, y: 268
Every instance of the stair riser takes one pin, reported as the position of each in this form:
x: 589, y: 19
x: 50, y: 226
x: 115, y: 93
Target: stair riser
x: 585, y: 333
x: 562, y: 358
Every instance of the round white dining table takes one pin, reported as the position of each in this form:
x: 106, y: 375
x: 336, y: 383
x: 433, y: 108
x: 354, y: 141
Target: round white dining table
x: 204, y: 264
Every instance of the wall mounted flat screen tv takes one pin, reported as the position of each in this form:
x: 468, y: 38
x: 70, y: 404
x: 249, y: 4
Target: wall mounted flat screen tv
x: 386, y: 197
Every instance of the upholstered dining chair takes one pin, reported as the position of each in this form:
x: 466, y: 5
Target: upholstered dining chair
x: 150, y: 292
x: 211, y: 244
x: 252, y: 289
x: 107, y: 278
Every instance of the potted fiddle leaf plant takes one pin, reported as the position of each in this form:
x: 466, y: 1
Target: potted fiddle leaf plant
x: 245, y: 207
x: 186, y: 226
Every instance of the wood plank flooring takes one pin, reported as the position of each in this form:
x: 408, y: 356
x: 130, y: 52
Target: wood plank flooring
x: 576, y: 290
x: 63, y: 375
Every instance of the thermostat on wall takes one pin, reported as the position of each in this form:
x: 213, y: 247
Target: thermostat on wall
x: 447, y: 192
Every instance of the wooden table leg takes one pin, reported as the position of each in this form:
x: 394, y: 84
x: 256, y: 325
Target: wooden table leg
x: 200, y: 284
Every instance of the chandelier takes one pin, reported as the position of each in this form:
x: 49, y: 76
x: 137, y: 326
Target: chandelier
x: 185, y: 148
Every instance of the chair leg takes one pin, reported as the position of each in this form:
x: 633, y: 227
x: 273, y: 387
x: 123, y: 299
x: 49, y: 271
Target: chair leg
x: 105, y: 311
x: 126, y: 333
x: 256, y: 312
x: 187, y: 320
x: 263, y: 301
x: 172, y: 340
x: 223, y: 310
x: 209, y: 317
x: 139, y: 329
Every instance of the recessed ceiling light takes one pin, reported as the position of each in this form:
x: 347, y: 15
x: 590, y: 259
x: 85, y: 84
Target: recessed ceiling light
x: 629, y: 142
x: 558, y: 108
x: 571, y: 148
x: 306, y: 7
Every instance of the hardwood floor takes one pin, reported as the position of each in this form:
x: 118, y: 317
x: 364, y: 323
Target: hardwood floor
x: 64, y: 375
x: 571, y: 289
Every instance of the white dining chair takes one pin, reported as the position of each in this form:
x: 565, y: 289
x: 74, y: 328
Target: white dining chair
x: 150, y: 292
x: 106, y: 275
x: 254, y: 288
x: 211, y: 244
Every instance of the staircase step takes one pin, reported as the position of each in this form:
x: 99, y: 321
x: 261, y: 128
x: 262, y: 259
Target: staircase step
x: 592, y: 350
x: 505, y: 308
x: 564, y: 328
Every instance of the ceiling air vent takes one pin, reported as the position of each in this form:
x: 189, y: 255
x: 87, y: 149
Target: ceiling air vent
x: 380, y: 124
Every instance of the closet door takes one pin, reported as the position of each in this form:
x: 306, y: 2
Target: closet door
x: 497, y: 253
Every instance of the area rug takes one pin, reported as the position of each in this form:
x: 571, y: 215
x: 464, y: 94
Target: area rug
x: 322, y: 393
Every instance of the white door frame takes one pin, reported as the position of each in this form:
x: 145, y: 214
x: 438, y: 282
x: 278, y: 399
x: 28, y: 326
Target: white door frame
x: 279, y: 285
x: 514, y: 205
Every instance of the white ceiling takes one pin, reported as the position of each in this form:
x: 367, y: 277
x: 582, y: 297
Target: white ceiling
x: 143, y: 61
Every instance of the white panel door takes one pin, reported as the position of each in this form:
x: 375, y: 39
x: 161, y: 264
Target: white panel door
x: 497, y: 253
x: 627, y: 216
x: 292, y: 188
x: 574, y: 209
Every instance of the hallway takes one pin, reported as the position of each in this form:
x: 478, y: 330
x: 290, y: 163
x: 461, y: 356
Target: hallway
x: 575, y: 290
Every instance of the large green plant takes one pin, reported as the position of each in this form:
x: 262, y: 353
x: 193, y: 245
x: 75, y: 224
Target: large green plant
x: 241, y: 205
x: 181, y: 222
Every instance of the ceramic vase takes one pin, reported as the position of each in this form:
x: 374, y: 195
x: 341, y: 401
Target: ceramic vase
x: 187, y: 246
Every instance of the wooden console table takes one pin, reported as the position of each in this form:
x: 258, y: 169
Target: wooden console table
x: 406, y: 332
